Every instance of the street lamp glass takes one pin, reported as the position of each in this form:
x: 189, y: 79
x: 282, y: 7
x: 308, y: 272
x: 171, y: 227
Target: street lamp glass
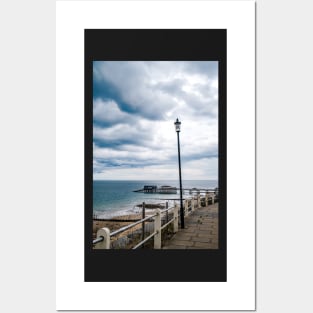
x: 177, y: 125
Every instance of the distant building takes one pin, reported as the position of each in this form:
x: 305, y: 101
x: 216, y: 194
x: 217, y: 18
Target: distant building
x: 149, y: 189
x: 167, y: 189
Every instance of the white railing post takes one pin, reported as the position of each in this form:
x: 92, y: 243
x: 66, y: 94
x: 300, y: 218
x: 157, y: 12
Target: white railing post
x: 186, y: 207
x: 199, y: 201
x: 105, y: 243
x: 213, y: 198
x: 206, y: 199
x: 192, y: 204
x: 157, y: 228
x: 175, y: 226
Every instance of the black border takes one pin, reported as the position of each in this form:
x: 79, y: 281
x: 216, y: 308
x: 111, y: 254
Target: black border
x: 155, y: 265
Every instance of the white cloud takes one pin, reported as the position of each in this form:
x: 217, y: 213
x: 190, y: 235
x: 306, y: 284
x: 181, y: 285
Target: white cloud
x: 134, y: 135
x: 155, y: 88
x: 204, y: 169
x: 108, y: 111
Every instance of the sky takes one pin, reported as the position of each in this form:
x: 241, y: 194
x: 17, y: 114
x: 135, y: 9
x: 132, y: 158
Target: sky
x: 135, y: 105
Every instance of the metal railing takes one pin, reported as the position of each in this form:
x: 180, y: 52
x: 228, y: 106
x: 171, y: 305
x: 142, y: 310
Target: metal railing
x: 104, y: 235
x: 121, y: 230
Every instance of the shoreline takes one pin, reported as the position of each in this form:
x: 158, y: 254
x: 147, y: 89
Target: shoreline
x: 112, y: 222
x: 136, y: 209
x: 115, y: 203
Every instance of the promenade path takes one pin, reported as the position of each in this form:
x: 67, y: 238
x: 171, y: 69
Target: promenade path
x: 200, y: 232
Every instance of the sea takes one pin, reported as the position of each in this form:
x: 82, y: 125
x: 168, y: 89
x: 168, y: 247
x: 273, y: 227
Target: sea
x: 117, y: 197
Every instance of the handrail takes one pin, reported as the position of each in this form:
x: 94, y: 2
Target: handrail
x: 169, y: 222
x: 145, y: 240
x: 97, y: 240
x: 121, y: 230
x: 165, y: 210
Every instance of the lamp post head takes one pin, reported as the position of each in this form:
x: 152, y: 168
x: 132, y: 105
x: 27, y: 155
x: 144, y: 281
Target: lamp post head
x: 177, y: 125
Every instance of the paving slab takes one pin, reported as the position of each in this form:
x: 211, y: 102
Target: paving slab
x: 200, y: 232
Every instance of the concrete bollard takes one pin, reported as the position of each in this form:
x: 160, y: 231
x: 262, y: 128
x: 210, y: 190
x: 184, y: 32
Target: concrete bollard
x: 157, y: 228
x: 105, y: 233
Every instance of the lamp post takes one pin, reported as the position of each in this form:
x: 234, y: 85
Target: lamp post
x: 182, y: 222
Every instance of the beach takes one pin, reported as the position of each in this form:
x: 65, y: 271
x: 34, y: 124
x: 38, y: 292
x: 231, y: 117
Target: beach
x: 114, y: 223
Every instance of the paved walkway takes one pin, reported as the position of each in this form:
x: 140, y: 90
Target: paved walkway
x: 200, y: 232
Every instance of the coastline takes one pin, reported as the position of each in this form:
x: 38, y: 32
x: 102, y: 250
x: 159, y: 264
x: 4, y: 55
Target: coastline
x: 115, y: 198
x: 114, y: 222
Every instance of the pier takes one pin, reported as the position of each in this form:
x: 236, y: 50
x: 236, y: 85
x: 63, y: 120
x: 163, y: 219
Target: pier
x: 174, y: 190
x: 154, y: 189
